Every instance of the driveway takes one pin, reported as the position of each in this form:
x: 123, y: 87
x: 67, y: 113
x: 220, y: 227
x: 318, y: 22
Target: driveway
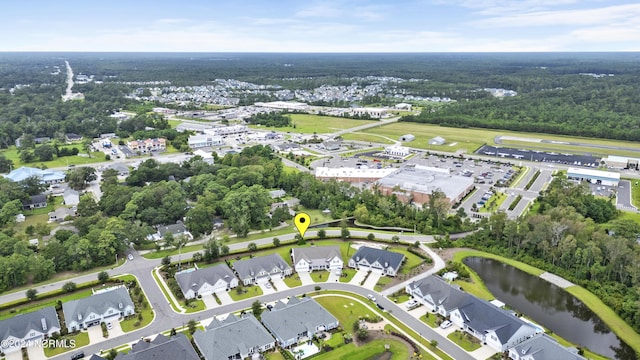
x: 359, y: 276
x: 333, y: 277
x: 16, y: 355
x: 279, y: 284
x: 372, y: 280
x: 116, y: 329
x: 224, y: 297
x: 95, y: 334
x: 267, y: 288
x: 209, y: 301
x: 624, y: 196
x: 306, y: 279
x: 35, y: 353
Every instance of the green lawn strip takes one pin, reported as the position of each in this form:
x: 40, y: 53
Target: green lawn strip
x: 81, y: 339
x: 635, y: 192
x: 399, y: 297
x: 39, y: 304
x: 143, y: 308
x: 195, y: 305
x: 372, y: 138
x: 251, y: 291
x: 497, y: 199
x: 532, y: 180
x: 292, y: 281
x: 464, y: 340
x: 349, y: 272
x: 524, y: 170
x: 273, y: 355
x: 346, y: 310
x: 382, y: 282
x: 308, y: 124
x: 170, y: 252
x: 57, y: 162
x: 319, y: 276
x: 398, y: 324
x: 613, y: 321
x: 430, y: 319
x: 628, y: 215
x: 162, y: 287
x: 411, y: 260
x: 368, y: 350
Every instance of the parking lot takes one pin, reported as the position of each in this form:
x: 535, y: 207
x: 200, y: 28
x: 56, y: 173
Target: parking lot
x: 540, y: 156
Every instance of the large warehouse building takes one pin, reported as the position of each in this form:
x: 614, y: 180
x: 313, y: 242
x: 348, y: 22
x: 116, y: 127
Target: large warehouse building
x: 352, y: 175
x: 607, y: 178
x: 621, y: 162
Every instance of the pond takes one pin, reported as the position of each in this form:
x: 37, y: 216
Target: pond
x: 550, y: 306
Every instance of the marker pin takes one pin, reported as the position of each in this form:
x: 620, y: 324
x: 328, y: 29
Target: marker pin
x: 302, y: 222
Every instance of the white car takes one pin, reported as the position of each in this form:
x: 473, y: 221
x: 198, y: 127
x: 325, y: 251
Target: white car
x: 130, y: 257
x: 371, y: 297
x: 445, y: 324
x: 109, y: 326
x: 412, y: 304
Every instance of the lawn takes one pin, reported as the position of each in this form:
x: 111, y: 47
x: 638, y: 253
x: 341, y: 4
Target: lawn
x: 384, y: 281
x: 194, y: 306
x: 247, y: 292
x: 319, y: 276
x: 316, y: 215
x: 39, y: 304
x: 411, y: 260
x: 57, y: 201
x: 635, y: 192
x: 293, y: 281
x: 309, y: 124
x: 346, y: 310
x: 143, y: 308
x: 165, y: 291
x: 399, y: 297
x: 368, y: 351
x: 464, y: 340
x: 430, y: 319
x: 372, y: 138
x: 96, y: 157
x: 81, y: 339
x: 273, y: 355
x: 350, y: 273
x: 31, y: 220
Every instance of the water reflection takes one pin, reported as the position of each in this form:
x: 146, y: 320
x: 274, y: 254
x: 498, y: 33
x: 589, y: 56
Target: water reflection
x: 550, y: 306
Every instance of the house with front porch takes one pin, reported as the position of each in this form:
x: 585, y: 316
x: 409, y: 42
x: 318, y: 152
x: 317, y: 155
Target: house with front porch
x: 203, y: 282
x: 308, y: 259
x: 234, y: 338
x: 261, y: 269
x: 297, y: 320
x: 377, y: 260
x: 543, y: 347
x: 27, y: 329
x: 104, y: 306
x: 437, y: 295
x: 161, y: 347
x: 491, y: 325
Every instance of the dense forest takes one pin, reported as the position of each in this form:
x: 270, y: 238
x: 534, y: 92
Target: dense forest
x: 576, y: 236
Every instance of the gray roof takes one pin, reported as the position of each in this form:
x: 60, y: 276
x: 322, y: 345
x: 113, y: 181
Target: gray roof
x: 174, y: 229
x: 544, y: 347
x: 427, y: 181
x: 277, y: 193
x: 35, y: 199
x: 162, y: 348
x: 316, y: 254
x: 195, y: 279
x: 120, y: 168
x: 442, y: 293
x: 71, y: 197
x: 234, y: 335
x: 98, y: 303
x: 251, y: 267
x: 20, y: 325
x: 389, y: 258
x: 482, y: 316
x: 286, y: 321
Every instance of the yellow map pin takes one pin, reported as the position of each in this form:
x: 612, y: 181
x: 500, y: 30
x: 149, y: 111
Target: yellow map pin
x: 302, y: 222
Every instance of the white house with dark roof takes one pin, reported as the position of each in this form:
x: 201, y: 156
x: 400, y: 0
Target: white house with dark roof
x: 178, y: 229
x: 377, y: 260
x: 100, y: 307
x: 26, y: 329
x: 543, y: 347
x: 307, y: 259
x: 491, y: 325
x: 206, y: 281
x: 35, y: 202
x: 297, y: 320
x: 161, y: 347
x: 234, y: 338
x: 259, y: 270
x: 437, y: 295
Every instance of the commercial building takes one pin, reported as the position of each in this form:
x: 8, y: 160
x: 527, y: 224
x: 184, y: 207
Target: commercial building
x: 397, y: 151
x: 599, y: 177
x: 621, y: 162
x: 437, y: 141
x: 227, y: 130
x: 352, y: 175
x: 199, y: 141
x: 407, y: 137
x: 372, y: 112
x: 46, y: 177
x: 206, y: 156
x: 148, y: 145
x: 416, y: 184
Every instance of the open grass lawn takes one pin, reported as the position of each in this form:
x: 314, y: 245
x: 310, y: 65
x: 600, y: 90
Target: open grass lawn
x: 39, y: 304
x: 372, y: 138
x: 97, y: 156
x: 316, y: 215
x: 350, y: 274
x: 273, y: 355
x: 165, y: 292
x: 31, y: 220
x: 195, y: 306
x: 292, y: 281
x: 411, y: 260
x: 369, y: 350
x: 464, y: 340
x: 497, y: 199
x: 81, y: 339
x: 247, y: 292
x: 319, y: 276
x: 635, y: 192
x: 522, y: 266
x: 628, y: 215
x: 430, y: 319
x: 308, y: 124
x: 384, y: 281
x: 144, y: 308
x: 399, y: 297
x: 347, y: 311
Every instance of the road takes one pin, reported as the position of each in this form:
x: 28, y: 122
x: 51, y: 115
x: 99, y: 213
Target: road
x: 382, y: 122
x: 623, y: 200
x: 68, y: 94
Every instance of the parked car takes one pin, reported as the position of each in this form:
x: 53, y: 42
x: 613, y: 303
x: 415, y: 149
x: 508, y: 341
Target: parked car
x: 109, y: 326
x: 130, y: 257
x: 267, y: 285
x: 445, y: 324
x: 77, y: 356
x: 371, y: 297
x: 412, y: 304
x: 380, y: 307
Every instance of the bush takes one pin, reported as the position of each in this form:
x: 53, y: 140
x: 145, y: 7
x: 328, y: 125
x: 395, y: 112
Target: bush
x: 69, y: 287
x: 317, y: 288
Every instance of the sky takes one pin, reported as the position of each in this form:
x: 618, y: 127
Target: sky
x: 320, y: 26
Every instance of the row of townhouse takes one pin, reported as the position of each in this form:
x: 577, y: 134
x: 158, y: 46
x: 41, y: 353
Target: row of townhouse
x: 493, y: 326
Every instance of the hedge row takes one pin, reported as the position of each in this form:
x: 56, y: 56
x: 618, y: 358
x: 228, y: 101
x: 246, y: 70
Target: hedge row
x: 533, y: 179
x: 515, y: 202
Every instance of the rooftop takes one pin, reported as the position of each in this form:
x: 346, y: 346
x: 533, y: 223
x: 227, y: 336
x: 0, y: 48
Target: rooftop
x: 594, y: 173
x: 253, y: 267
x: 161, y: 348
x: 324, y: 172
x: 383, y: 257
x: 287, y: 321
x: 20, y: 325
x: 210, y: 275
x: 426, y: 181
x: 234, y: 335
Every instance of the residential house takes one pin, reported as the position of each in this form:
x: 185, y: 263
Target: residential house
x: 71, y: 197
x: 307, y: 259
x: 70, y: 137
x: 122, y: 169
x: 206, y: 281
x: 493, y: 326
x: 178, y: 229
x: 259, y: 270
x: 377, y: 260
x: 60, y: 214
x: 199, y: 141
x: 437, y: 295
x: 206, y: 156
x: 27, y: 329
x: 35, y: 202
x: 275, y: 194
x: 148, y: 145
x: 543, y: 347
x: 46, y: 177
x: 297, y: 320
x: 103, y: 306
x: 161, y: 348
x: 234, y: 338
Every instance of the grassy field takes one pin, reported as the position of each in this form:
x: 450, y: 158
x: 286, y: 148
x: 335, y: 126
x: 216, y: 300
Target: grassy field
x: 384, y: 281
x: 464, y: 340
x: 369, y: 350
x: 350, y: 273
x: 308, y: 124
x: 319, y: 276
x: 249, y: 292
x: 195, y: 306
x: 292, y: 281
x: 347, y: 311
x: 97, y: 156
x: 39, y: 304
x: 635, y: 192
x: 430, y: 319
x: 81, y: 339
x: 373, y: 138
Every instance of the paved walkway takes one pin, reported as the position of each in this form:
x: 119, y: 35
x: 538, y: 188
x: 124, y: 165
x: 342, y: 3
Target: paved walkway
x: 372, y: 280
x: 556, y: 280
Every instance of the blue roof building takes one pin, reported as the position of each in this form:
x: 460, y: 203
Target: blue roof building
x: 45, y: 176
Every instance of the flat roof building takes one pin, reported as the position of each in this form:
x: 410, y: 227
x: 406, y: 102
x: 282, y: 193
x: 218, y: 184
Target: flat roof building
x: 594, y: 176
x: 407, y: 137
x: 397, y: 151
x: 352, y: 175
x: 437, y: 141
x: 621, y: 162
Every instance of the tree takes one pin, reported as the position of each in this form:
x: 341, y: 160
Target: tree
x: 344, y: 232
x: 256, y: 308
x: 69, y: 287
x: 166, y: 261
x: 80, y: 177
x: 224, y: 250
x: 113, y: 353
x: 103, y: 277
x: 27, y: 156
x: 433, y: 343
x: 32, y: 185
x: 32, y: 294
x: 395, y: 239
x: 87, y: 206
x: 322, y: 234
x: 299, y: 239
x: 371, y: 237
x: 276, y: 242
x: 211, y: 251
x: 44, y: 152
x: 192, y: 325
x: 252, y: 246
x: 6, y: 165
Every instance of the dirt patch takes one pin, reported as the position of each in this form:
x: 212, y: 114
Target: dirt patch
x: 447, y: 254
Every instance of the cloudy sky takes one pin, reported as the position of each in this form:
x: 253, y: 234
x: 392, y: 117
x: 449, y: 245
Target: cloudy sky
x: 320, y: 26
